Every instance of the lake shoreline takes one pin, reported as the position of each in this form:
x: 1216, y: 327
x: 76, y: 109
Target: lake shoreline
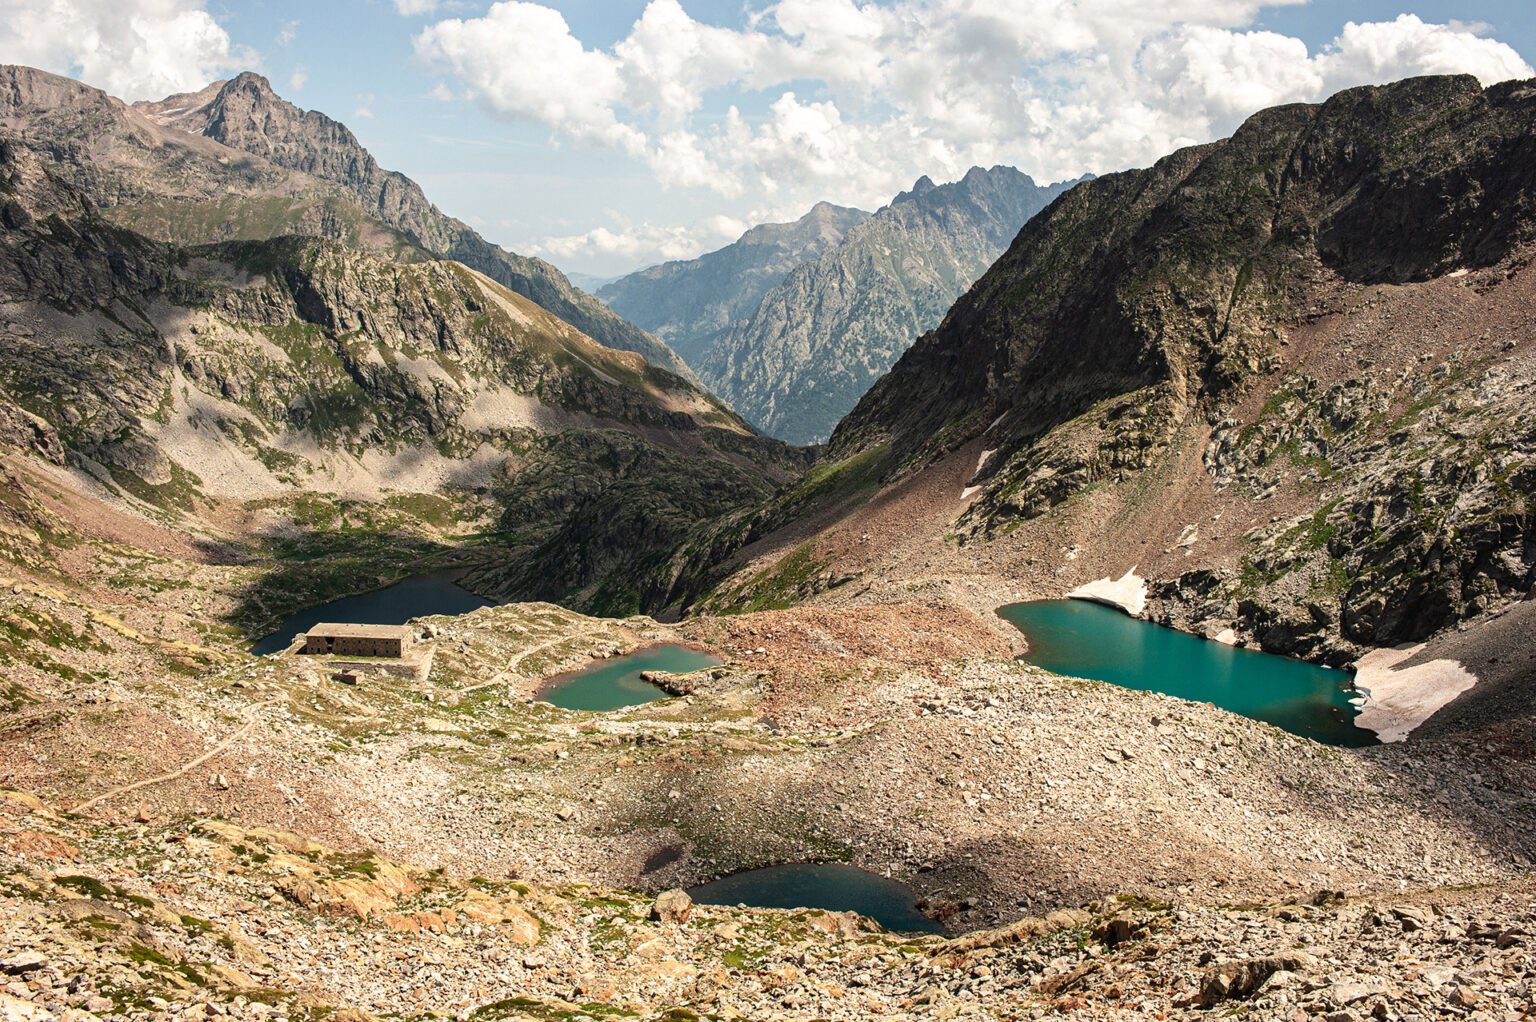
x: 1070, y: 638
x: 371, y: 606
x: 664, y: 652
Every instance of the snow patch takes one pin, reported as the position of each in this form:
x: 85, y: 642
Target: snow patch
x: 1395, y: 700
x: 981, y: 463
x: 1128, y: 592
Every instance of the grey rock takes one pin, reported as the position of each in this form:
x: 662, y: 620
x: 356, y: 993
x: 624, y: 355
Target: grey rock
x: 23, y: 962
x: 672, y: 907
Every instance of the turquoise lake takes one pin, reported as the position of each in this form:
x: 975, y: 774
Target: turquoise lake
x: 417, y: 596
x: 833, y: 886
x: 1089, y: 640
x: 614, y: 684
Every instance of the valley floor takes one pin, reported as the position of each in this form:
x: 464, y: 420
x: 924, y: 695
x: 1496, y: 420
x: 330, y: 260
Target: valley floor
x: 452, y: 847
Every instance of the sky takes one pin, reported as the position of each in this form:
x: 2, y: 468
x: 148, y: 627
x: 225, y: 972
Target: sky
x: 605, y: 135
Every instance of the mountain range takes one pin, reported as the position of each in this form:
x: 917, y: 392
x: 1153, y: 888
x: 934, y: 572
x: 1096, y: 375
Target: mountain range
x: 1274, y: 391
x: 794, y: 322
x: 194, y: 322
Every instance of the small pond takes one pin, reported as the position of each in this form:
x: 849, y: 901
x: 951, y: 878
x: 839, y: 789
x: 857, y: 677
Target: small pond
x: 1089, y: 640
x: 614, y: 684
x: 833, y: 886
x: 417, y: 596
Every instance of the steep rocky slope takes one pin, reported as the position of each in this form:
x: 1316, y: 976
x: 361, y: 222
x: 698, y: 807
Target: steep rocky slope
x: 249, y: 370
x: 691, y: 303
x: 1190, y: 296
x: 1287, y: 376
x: 816, y: 342
x: 236, y: 161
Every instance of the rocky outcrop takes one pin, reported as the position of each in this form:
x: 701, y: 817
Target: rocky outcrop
x: 691, y: 303
x: 246, y: 115
x: 1246, y: 977
x: 1424, y: 516
x: 817, y: 341
x: 672, y: 907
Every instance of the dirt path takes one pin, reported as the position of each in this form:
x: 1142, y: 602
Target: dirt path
x: 180, y: 771
x: 511, y: 670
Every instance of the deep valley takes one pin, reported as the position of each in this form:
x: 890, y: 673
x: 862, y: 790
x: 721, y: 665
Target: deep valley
x: 1274, y: 392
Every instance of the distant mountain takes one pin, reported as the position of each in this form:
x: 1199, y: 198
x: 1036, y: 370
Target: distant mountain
x: 821, y: 337
x: 146, y: 167
x: 588, y: 282
x: 691, y: 303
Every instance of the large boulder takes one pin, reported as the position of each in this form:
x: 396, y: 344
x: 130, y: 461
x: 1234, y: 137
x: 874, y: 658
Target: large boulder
x: 673, y: 907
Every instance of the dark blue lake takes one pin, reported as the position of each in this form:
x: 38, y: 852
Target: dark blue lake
x: 417, y: 596
x: 833, y: 886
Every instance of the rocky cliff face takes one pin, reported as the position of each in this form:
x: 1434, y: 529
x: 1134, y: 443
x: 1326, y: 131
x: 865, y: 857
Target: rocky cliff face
x: 818, y: 340
x: 245, y: 369
x: 1326, y: 309
x: 245, y: 114
x: 690, y: 304
x: 236, y: 161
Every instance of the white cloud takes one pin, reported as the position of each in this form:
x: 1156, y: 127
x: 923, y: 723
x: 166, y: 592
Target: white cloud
x: 521, y: 59
x: 298, y: 79
x: 410, y: 8
x: 1380, y: 51
x: 288, y: 32
x: 441, y: 93
x: 862, y: 96
x: 646, y: 241
x: 134, y: 49
x: 364, y: 108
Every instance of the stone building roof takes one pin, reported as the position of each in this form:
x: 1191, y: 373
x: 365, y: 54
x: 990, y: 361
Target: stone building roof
x: 335, y: 631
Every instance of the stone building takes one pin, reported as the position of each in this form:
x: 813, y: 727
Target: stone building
x: 357, y: 640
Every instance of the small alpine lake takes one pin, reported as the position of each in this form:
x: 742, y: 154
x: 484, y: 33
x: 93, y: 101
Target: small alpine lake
x: 831, y: 886
x: 417, y: 596
x: 1082, y: 639
x: 616, y: 683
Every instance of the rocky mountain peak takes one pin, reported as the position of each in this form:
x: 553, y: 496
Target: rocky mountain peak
x: 690, y: 303
x: 245, y: 114
x: 24, y: 89
x: 922, y: 186
x: 825, y: 221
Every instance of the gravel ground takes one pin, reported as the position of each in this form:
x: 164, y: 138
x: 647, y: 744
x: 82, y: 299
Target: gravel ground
x: 901, y: 736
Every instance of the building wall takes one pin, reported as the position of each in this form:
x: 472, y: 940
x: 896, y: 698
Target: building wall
x: 350, y: 645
